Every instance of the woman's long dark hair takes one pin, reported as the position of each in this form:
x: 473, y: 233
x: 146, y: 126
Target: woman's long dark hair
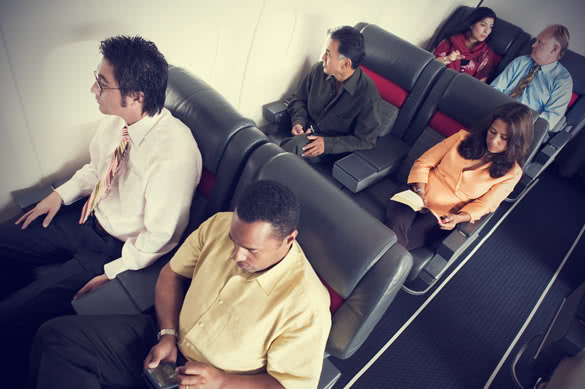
x: 474, y: 17
x: 519, y: 119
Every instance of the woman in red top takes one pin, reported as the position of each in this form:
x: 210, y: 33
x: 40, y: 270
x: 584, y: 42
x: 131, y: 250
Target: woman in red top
x: 467, y: 50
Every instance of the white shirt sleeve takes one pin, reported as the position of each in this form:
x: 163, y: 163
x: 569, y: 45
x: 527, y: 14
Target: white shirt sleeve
x: 170, y: 188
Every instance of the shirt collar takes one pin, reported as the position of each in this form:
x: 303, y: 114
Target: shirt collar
x: 549, y: 67
x: 351, y: 84
x: 138, y: 130
x: 270, y: 278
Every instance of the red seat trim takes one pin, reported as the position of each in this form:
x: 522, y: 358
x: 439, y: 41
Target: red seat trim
x: 206, y: 183
x: 444, y: 124
x: 574, y: 98
x: 389, y: 91
x: 336, y: 299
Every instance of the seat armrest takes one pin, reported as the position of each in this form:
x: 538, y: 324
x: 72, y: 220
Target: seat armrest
x: 469, y: 229
x: 275, y: 112
x: 531, y: 171
x: 130, y: 292
x: 461, y: 237
x: 355, y: 319
x: 546, y: 155
x: 388, y: 152
x: 452, y: 243
x: 329, y: 375
x: 109, y: 299
x: 140, y: 284
x: 559, y: 140
x: 363, y: 168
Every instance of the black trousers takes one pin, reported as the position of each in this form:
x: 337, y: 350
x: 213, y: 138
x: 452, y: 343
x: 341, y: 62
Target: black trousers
x: 295, y: 144
x: 78, y: 252
x: 413, y: 229
x: 92, y: 352
x: 323, y: 162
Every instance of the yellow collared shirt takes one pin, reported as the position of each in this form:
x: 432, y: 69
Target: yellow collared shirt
x: 276, y: 321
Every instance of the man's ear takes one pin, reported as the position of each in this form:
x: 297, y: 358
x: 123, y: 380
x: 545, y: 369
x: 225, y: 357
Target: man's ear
x: 137, y: 97
x: 556, y: 48
x: 290, y: 238
x: 347, y: 63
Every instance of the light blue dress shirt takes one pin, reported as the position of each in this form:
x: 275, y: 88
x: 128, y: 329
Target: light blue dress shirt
x: 549, y: 92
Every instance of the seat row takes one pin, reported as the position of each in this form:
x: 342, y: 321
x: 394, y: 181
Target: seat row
x: 356, y: 256
x: 510, y: 41
x: 424, y: 103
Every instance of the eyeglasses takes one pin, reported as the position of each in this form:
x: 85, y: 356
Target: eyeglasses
x: 101, y: 88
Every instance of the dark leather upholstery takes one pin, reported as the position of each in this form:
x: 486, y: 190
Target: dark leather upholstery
x: 506, y: 40
x: 393, y: 57
x: 404, y: 64
x: 225, y: 140
x: 464, y: 100
x: 575, y: 64
x: 352, y: 252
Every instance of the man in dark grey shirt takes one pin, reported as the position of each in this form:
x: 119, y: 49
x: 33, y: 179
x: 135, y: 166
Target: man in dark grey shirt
x: 336, y: 108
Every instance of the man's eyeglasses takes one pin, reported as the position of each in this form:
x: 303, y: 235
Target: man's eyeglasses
x: 101, y: 88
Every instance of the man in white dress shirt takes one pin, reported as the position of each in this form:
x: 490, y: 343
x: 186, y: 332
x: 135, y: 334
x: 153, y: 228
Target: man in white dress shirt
x: 140, y: 217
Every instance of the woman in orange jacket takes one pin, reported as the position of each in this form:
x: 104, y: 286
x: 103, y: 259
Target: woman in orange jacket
x: 465, y: 176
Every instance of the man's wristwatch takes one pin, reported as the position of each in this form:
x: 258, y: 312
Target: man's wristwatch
x: 166, y: 331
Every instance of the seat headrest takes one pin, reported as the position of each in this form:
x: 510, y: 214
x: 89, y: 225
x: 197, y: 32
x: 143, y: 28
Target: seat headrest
x: 212, y: 120
x: 393, y: 57
x: 504, y: 34
x: 467, y: 100
x: 340, y: 239
x: 575, y: 64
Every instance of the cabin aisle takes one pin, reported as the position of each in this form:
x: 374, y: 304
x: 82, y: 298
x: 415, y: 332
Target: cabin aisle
x: 460, y: 337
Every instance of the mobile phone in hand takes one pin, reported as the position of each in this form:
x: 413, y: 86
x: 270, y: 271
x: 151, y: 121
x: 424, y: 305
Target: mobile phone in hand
x: 161, y: 377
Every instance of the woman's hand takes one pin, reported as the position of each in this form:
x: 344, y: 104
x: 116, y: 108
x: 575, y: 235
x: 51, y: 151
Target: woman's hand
x: 455, y: 55
x: 449, y: 221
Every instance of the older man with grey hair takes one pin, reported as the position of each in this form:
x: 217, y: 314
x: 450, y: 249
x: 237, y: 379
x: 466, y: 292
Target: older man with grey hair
x: 539, y: 80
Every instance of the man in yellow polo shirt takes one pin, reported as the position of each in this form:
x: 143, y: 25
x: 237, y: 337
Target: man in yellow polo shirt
x: 255, y: 314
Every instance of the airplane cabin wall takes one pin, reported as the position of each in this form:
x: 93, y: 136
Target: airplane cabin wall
x: 252, y: 52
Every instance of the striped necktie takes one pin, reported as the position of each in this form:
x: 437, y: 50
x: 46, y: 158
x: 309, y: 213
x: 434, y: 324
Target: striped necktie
x: 523, y: 84
x: 103, y: 186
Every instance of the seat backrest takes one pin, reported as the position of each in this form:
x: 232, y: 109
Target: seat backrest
x: 506, y: 40
x: 402, y: 72
x: 575, y: 64
x: 225, y: 138
x: 457, y: 101
x: 342, y: 242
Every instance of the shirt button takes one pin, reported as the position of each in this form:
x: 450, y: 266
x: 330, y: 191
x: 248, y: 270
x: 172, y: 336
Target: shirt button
x: 220, y: 301
x: 201, y: 324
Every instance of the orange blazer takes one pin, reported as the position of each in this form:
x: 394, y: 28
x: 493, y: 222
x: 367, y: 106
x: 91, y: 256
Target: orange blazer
x: 450, y: 189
